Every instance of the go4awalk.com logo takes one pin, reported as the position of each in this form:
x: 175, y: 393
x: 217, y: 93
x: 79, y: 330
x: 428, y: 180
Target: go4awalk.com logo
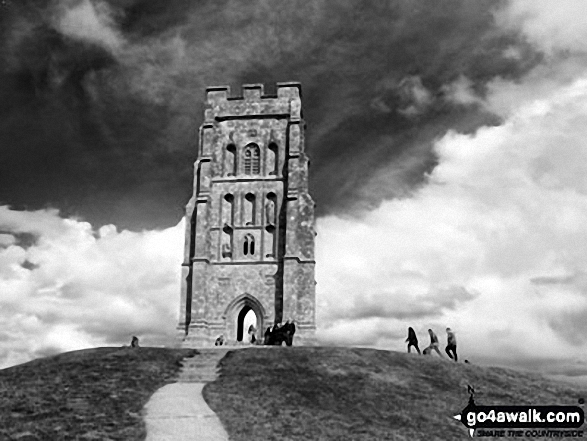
x: 522, y: 421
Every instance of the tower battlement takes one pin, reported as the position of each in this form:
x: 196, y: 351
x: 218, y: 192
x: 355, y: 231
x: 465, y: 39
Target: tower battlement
x: 221, y: 105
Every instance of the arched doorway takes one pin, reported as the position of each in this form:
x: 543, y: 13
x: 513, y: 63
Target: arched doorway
x: 240, y: 314
x: 246, y: 318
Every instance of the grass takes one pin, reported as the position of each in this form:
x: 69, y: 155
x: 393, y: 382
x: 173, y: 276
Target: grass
x: 275, y: 393
x: 362, y: 394
x: 94, y: 394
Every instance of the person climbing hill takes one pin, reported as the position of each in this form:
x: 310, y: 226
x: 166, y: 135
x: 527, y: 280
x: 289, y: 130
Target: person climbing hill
x: 451, y: 346
x: 412, y: 340
x: 433, y: 344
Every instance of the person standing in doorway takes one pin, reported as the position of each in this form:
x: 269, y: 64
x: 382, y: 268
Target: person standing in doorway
x: 412, y: 340
x: 451, y: 346
x: 252, y: 336
x: 433, y: 343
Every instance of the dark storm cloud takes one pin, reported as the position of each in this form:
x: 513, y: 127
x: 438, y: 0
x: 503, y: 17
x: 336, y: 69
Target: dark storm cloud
x: 100, y: 119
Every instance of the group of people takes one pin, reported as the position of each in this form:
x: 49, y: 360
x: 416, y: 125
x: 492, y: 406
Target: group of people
x: 451, y: 340
x: 277, y: 334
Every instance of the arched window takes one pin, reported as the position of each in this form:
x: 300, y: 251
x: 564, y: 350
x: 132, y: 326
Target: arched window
x: 273, y: 159
x: 250, y: 212
x: 227, y: 220
x: 270, y: 206
x: 226, y: 248
x: 269, y: 238
x: 252, y: 159
x: 249, y: 245
x: 228, y: 209
x: 230, y: 160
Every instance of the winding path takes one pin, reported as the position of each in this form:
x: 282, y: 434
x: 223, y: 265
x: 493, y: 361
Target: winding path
x: 178, y: 411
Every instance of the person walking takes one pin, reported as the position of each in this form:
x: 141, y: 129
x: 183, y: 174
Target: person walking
x: 451, y: 346
x: 433, y: 343
x: 412, y: 340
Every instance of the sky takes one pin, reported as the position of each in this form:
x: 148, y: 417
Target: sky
x: 447, y: 163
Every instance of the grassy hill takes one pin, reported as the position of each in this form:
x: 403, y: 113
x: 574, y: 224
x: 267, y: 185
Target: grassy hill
x: 94, y: 394
x: 264, y: 394
x: 363, y: 394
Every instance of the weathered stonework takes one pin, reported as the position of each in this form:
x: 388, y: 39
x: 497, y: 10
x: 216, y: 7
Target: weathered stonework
x: 250, y: 222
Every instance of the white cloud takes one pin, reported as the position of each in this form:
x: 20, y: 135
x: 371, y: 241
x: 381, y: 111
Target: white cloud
x: 551, y: 26
x: 505, y: 208
x: 559, y: 32
x: 89, y: 21
x: 87, y: 289
x: 6, y: 239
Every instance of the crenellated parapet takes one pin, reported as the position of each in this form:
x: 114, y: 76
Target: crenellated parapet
x: 252, y: 102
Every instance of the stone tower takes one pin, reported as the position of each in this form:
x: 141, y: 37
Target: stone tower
x: 250, y: 222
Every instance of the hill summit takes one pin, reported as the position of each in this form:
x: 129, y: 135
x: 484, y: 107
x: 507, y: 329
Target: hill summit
x: 285, y: 393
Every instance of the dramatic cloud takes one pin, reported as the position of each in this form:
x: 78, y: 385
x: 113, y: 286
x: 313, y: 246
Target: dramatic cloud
x: 85, y: 288
x: 501, y: 217
x: 448, y: 163
x: 558, y: 36
x: 493, y: 245
x: 87, y: 21
x: 553, y: 29
x: 105, y: 97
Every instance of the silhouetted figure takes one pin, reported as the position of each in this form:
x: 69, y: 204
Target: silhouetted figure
x: 219, y: 341
x: 134, y: 343
x: 267, y: 336
x: 252, y: 334
x: 292, y: 331
x: 412, y: 340
x: 289, y: 329
x: 285, y: 333
x: 277, y: 334
x: 451, y: 346
x: 433, y: 344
